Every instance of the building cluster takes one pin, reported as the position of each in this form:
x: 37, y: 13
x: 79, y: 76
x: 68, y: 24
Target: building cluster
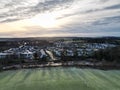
x: 77, y: 49
x: 23, y: 52
x: 58, y: 49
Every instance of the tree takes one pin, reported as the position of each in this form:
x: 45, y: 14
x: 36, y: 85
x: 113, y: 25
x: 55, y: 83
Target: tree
x: 36, y: 57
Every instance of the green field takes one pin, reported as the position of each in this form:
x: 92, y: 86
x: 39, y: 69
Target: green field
x: 60, y: 79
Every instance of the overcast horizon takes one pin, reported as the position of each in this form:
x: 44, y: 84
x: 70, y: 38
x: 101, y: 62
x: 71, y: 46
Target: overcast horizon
x: 59, y: 18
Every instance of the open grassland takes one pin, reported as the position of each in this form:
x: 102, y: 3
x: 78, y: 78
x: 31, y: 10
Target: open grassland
x: 60, y: 79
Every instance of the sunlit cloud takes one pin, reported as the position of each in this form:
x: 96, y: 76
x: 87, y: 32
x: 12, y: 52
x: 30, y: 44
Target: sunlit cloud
x: 31, y: 18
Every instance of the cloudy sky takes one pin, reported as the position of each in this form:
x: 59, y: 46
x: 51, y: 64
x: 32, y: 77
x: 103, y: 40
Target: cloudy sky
x: 39, y: 18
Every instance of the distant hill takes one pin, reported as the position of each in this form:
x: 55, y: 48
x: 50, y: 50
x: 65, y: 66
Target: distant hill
x: 56, y: 38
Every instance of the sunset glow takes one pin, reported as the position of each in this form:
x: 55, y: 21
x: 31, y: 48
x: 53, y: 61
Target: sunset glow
x: 59, y: 18
x: 44, y: 20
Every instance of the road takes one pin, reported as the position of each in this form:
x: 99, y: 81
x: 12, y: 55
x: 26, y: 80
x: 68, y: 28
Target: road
x: 50, y: 54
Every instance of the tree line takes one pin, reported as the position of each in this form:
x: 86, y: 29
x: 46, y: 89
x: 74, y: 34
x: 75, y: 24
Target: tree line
x: 109, y: 54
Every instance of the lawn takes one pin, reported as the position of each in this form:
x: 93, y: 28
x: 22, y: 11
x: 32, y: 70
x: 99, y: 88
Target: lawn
x: 60, y: 79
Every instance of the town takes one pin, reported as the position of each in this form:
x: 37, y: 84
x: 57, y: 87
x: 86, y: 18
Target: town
x: 53, y: 51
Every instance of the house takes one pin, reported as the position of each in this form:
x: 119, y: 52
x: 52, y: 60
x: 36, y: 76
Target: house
x: 70, y: 53
x: 27, y: 55
x: 4, y: 55
x: 43, y: 54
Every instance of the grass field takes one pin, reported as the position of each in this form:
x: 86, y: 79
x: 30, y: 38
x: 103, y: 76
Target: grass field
x: 60, y: 79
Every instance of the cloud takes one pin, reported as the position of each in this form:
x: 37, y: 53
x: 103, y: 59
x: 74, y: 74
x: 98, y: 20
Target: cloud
x: 107, y: 20
x: 87, y: 17
x: 13, y: 9
x: 117, y: 6
x: 24, y: 9
x: 10, y: 20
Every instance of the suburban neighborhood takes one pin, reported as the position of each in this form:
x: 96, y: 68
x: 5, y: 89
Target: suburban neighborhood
x: 54, y: 52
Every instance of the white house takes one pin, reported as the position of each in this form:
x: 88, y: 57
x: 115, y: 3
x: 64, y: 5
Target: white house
x: 5, y: 55
x: 27, y: 55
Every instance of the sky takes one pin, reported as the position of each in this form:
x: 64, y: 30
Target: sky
x: 59, y: 18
